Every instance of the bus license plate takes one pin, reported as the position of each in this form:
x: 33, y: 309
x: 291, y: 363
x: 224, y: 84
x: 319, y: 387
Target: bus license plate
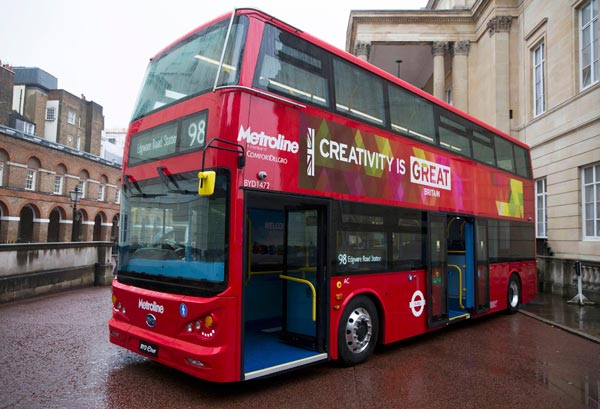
x: 149, y: 349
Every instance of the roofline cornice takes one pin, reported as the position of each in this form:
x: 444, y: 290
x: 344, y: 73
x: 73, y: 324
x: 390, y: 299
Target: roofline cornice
x: 423, y: 16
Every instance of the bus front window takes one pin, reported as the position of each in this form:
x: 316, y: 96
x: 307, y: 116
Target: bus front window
x: 173, y: 235
x: 190, y: 67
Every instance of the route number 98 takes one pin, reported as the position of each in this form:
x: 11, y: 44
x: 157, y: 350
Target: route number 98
x: 197, y: 133
x: 193, y: 131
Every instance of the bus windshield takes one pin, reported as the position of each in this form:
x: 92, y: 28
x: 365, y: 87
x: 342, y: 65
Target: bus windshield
x: 170, y: 234
x: 190, y: 67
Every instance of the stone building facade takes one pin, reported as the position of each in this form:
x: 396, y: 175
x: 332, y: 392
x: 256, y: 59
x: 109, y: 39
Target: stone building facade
x: 530, y: 68
x: 36, y: 177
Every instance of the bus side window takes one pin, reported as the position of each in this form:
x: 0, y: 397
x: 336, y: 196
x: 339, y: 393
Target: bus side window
x: 292, y: 67
x: 504, y: 154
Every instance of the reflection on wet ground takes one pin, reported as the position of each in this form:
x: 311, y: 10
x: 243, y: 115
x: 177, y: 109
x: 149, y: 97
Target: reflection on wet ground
x: 584, y: 320
x: 55, y: 354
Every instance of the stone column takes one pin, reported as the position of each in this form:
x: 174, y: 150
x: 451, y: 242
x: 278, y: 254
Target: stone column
x: 362, y: 50
x: 40, y: 230
x: 87, y: 230
x: 438, y: 49
x: 499, y: 28
x: 10, y: 229
x: 64, y: 230
x: 460, y: 80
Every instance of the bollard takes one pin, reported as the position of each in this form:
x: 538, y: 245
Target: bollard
x: 579, y: 297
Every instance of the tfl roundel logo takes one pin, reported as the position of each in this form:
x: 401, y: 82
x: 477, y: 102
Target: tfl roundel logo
x: 151, y: 320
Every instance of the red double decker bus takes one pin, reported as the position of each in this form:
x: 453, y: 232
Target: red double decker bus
x: 285, y: 203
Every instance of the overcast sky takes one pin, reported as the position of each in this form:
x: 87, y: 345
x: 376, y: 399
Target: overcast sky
x: 100, y: 48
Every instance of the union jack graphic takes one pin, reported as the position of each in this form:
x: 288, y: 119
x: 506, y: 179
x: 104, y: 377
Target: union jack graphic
x: 310, y: 152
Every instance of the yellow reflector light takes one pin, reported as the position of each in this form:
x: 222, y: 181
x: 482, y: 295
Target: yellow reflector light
x: 209, y: 321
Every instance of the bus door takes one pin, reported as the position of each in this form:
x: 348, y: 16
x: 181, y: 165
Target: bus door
x: 301, y: 273
x: 284, y: 285
x: 482, y: 277
x: 461, y: 267
x: 437, y: 272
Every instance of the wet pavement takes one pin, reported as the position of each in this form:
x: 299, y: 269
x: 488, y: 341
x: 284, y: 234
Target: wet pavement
x: 54, y: 353
x: 555, y: 310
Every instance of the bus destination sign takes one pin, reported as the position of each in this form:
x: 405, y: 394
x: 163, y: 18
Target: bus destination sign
x: 185, y: 134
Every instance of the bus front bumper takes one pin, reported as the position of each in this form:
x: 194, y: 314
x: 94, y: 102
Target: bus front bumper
x: 215, y: 364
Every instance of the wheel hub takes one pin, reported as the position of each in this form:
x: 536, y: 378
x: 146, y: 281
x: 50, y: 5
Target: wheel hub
x: 359, y: 330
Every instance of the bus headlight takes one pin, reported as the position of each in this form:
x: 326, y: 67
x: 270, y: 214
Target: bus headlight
x: 205, y: 326
x: 117, y: 305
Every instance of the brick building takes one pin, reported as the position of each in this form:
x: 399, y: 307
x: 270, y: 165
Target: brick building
x: 7, y: 77
x: 38, y: 172
x: 58, y: 115
x: 36, y: 177
x: 30, y: 95
x: 74, y: 122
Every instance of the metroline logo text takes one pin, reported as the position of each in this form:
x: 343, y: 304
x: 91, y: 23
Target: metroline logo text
x: 263, y: 140
x: 151, y: 306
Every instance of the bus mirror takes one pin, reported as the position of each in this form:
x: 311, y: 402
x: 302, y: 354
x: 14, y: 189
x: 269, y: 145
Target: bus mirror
x: 206, y: 186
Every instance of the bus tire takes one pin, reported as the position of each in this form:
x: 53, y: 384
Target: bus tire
x: 358, y: 331
x: 513, y: 294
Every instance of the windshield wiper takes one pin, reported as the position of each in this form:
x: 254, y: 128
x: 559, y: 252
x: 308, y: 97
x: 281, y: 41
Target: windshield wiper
x: 129, y: 183
x: 167, y: 178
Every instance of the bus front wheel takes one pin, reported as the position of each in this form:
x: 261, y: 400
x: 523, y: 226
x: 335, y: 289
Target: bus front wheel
x: 358, y: 330
x: 513, y: 294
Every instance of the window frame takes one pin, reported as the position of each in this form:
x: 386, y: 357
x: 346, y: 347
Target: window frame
x: 581, y: 28
x: 539, y: 107
x: 595, y: 187
x: 543, y: 196
x: 101, y: 191
x: 82, y: 184
x: 50, y: 114
x: 71, y: 117
x: 30, y: 179
x: 57, y: 189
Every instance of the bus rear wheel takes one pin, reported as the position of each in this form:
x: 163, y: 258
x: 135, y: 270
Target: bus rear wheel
x: 358, y: 331
x: 513, y: 294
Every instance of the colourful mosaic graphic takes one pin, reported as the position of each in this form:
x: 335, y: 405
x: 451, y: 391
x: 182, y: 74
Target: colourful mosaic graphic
x: 514, y: 206
x: 340, y: 159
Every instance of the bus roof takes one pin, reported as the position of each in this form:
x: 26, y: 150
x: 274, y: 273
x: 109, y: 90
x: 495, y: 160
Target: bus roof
x: 347, y: 56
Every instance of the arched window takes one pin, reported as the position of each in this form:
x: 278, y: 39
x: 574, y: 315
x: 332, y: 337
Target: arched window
x: 33, y: 165
x: 3, y: 159
x: 102, y: 188
x: 82, y: 185
x: 59, y: 179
